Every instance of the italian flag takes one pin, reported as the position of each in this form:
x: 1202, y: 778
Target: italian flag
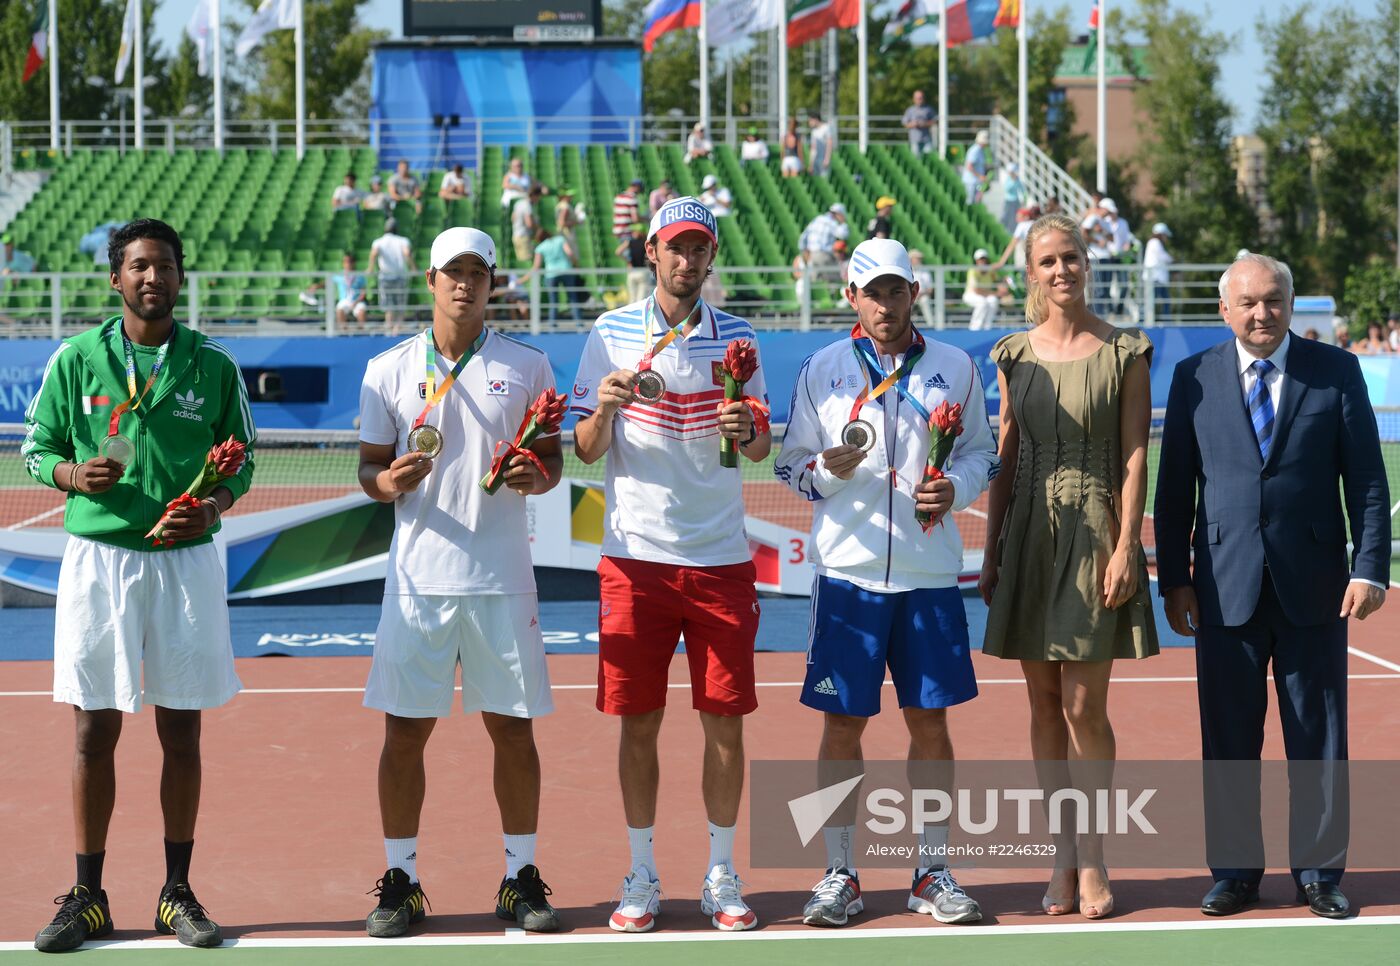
x: 812, y: 18
x: 39, y: 46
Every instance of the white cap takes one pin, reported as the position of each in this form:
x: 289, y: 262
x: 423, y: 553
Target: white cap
x: 1161, y: 229
x: 980, y: 253
x: 680, y: 215
x: 462, y: 241
x: 709, y: 181
x: 879, y: 256
x: 837, y: 209
x: 983, y: 137
x: 1109, y: 205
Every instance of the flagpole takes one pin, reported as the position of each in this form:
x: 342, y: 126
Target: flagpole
x: 943, y: 79
x: 1102, y: 181
x: 54, y: 119
x: 300, y: 40
x: 782, y: 77
x: 1023, y: 100
x: 863, y: 75
x: 216, y: 33
x: 139, y: 77
x: 705, y: 70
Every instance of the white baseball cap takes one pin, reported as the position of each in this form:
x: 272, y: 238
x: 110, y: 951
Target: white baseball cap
x: 879, y: 256
x: 1109, y: 205
x: 837, y: 209
x: 980, y: 253
x: 709, y: 181
x: 1161, y: 229
x: 462, y: 241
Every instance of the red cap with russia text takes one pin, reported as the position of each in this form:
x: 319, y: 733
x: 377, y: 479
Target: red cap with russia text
x: 682, y: 214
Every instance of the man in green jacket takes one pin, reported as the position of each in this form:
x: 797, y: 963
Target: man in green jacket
x: 122, y: 422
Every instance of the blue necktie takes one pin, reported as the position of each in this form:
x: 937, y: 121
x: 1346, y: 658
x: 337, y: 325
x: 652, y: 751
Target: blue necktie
x: 1261, y: 407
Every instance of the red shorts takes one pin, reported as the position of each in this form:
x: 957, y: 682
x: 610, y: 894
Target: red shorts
x: 643, y: 610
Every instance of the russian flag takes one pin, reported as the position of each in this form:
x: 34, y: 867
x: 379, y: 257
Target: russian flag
x: 663, y: 16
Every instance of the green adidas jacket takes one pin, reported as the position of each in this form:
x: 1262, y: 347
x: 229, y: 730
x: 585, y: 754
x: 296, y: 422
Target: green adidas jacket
x: 198, y: 400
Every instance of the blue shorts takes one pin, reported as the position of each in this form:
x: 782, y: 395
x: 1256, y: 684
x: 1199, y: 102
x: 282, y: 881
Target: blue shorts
x: 920, y: 634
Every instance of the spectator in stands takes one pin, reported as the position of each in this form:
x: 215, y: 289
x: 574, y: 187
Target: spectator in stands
x: 94, y: 243
x: 982, y: 293
x: 716, y: 197
x: 754, y: 148
x: 697, y: 145
x: 12, y: 260
x: 1013, y: 195
x: 555, y: 258
x: 391, y: 257
x: 1096, y: 239
x: 839, y: 250
x: 350, y: 292
x: 880, y: 226
x: 523, y: 225
x: 974, y: 169
x: 1157, y: 264
x: 515, y: 184
x: 924, y: 279
x: 1122, y: 248
x: 1374, y: 342
x: 1340, y: 333
x: 403, y: 186
x: 1052, y: 206
x: 663, y: 193
x: 512, y: 297
x: 346, y: 197
x: 627, y: 208
x: 919, y: 119
x: 792, y: 163
x: 1025, y: 217
x: 818, y: 241
x: 1392, y: 327
x: 633, y: 250
x: 455, y: 185
x: 375, y: 199
x: 821, y: 145
x: 568, y: 216
x: 1312, y: 334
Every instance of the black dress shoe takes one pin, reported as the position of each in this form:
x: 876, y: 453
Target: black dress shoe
x: 1229, y: 896
x: 1325, y: 899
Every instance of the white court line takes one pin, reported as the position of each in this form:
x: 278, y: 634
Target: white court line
x: 36, y: 518
x: 1389, y: 665
x: 686, y: 685
x: 930, y: 933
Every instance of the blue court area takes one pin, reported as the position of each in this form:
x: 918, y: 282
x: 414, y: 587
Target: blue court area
x: 337, y: 630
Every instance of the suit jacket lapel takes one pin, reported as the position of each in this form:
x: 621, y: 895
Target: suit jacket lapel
x: 1228, y: 405
x: 1297, y: 375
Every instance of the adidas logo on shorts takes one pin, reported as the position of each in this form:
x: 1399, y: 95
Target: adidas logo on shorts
x: 825, y: 686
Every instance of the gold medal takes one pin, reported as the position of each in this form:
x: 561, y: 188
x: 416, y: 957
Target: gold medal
x: 425, y: 439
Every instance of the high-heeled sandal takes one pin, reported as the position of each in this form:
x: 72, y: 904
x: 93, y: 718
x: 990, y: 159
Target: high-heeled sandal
x: 1097, y: 910
x: 1053, y: 907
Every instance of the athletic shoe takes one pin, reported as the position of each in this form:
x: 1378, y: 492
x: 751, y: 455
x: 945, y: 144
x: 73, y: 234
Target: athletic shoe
x: 400, y: 905
x: 641, y: 901
x: 834, y: 899
x: 722, y: 900
x: 179, y: 914
x: 522, y: 901
x: 938, y: 893
x: 81, y: 916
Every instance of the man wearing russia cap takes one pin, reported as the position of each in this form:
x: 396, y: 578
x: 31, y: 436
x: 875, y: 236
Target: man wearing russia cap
x: 460, y: 587
x: 676, y: 560
x: 886, y: 591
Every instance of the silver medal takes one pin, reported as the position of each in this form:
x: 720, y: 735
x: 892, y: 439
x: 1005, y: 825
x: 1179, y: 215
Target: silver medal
x: 858, y: 433
x: 649, y: 385
x: 118, y: 447
x: 425, y: 439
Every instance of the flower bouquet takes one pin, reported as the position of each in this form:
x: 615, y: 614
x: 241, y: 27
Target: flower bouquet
x: 740, y: 363
x: 945, y: 426
x: 223, y: 461
x: 544, y: 416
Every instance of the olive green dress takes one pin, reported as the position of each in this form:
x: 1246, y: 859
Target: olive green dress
x: 1062, y: 523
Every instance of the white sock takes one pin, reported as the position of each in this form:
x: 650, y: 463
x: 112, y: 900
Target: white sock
x: 721, y: 845
x: 640, y: 841
x: 933, y: 848
x: 520, y: 852
x: 839, y: 840
x: 403, y: 854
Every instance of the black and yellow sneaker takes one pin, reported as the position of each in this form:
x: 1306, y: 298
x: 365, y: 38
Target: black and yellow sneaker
x: 522, y: 899
x: 179, y: 914
x: 81, y: 916
x: 401, y: 904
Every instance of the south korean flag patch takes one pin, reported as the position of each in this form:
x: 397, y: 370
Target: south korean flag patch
x: 497, y: 387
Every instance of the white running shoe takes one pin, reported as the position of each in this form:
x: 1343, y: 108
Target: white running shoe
x: 641, y: 901
x: 722, y: 900
x: 937, y: 893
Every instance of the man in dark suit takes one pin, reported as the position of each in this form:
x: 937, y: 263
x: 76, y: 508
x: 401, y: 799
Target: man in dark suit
x: 1258, y: 431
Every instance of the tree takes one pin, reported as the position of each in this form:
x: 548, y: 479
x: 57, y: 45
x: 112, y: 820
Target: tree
x: 183, y: 91
x: 1187, y: 151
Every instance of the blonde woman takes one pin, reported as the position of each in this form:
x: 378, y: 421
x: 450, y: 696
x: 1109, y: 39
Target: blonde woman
x: 1065, y: 575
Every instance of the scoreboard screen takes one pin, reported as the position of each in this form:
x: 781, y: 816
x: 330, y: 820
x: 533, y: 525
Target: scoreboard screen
x: 568, y: 20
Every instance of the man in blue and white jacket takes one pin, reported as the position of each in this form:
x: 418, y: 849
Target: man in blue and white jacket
x: 886, y: 592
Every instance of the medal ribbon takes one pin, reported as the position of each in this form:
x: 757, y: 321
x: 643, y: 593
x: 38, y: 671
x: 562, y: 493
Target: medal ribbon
x: 645, y: 363
x: 871, y: 364
x: 133, y: 400
x: 435, y: 396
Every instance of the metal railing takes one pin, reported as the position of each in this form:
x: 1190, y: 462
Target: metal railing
x: 1042, y: 177
x: 55, y: 305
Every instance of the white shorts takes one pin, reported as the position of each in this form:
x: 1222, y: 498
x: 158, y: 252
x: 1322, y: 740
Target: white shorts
x: 790, y: 162
x: 124, y: 612
x: 495, y: 637
x: 350, y: 306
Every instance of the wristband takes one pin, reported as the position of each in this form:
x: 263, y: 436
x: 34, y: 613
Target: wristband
x: 218, y: 514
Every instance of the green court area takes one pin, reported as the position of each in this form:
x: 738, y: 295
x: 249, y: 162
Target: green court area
x: 1357, y: 942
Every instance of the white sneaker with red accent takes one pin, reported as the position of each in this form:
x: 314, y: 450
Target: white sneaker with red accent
x: 641, y: 901
x: 722, y: 900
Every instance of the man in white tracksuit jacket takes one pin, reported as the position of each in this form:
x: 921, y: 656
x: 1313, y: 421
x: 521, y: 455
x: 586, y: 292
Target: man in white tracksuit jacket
x: 886, y: 591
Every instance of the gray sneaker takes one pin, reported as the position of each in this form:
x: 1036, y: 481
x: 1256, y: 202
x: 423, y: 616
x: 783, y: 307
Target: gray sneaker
x: 938, y: 893
x: 834, y: 899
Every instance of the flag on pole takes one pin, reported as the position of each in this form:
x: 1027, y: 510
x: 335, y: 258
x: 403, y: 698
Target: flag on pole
x: 812, y: 18
x: 971, y: 19
x: 730, y: 21
x: 1009, y: 15
x: 128, y: 40
x: 1091, y: 52
x: 912, y: 15
x: 198, y: 30
x: 271, y: 15
x: 39, y: 45
x: 663, y: 16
